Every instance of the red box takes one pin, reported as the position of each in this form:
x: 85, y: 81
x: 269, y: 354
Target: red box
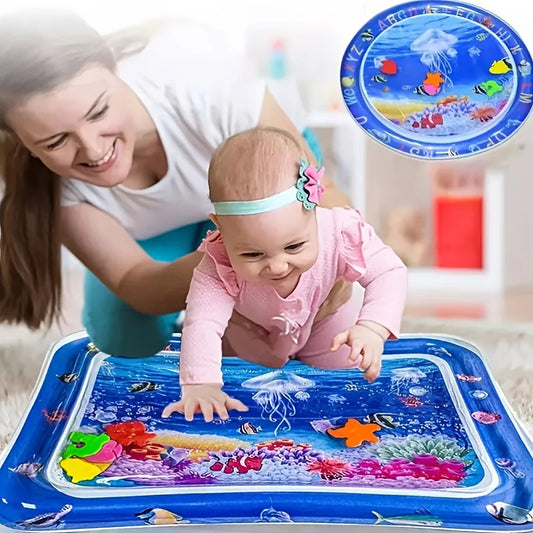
x: 458, y: 228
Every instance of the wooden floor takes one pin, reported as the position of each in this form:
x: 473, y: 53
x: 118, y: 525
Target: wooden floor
x: 511, y: 306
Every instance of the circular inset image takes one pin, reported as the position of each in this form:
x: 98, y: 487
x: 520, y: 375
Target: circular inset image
x: 437, y: 80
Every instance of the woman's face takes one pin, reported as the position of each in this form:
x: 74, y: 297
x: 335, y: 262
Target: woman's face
x: 83, y: 129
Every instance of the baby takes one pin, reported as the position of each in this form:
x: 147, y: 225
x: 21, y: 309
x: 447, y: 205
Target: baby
x: 274, y: 259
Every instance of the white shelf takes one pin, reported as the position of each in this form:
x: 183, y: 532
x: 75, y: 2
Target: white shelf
x: 452, y: 280
x: 351, y: 147
x: 330, y: 119
x: 490, y: 278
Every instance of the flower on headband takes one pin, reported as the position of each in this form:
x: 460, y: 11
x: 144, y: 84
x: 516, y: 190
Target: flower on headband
x: 310, y: 188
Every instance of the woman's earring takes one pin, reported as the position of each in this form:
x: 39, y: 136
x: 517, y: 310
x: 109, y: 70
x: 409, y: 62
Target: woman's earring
x: 32, y: 154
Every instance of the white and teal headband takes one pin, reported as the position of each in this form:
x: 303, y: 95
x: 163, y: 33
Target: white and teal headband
x: 308, y: 190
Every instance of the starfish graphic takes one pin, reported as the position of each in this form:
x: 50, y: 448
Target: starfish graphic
x: 434, y: 78
x: 355, y: 433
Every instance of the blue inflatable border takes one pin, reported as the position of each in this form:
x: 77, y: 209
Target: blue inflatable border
x: 379, y: 128
x: 35, y: 439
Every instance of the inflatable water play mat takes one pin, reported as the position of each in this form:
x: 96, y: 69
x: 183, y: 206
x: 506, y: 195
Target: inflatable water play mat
x: 431, y: 443
x: 437, y: 80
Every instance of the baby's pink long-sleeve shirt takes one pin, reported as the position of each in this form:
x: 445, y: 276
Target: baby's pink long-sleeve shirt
x: 348, y: 248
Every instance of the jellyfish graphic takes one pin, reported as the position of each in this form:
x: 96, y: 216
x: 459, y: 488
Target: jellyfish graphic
x: 405, y: 376
x: 437, y: 48
x: 273, y: 395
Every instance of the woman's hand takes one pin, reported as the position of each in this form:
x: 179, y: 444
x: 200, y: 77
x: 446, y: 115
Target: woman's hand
x: 339, y: 295
x: 206, y: 399
x: 241, y: 321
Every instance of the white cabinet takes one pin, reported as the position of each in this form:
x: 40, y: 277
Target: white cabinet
x: 378, y: 179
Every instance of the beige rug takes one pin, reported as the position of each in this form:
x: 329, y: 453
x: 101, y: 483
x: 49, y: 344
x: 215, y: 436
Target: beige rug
x: 508, y: 349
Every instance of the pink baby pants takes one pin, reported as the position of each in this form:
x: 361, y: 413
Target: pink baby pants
x: 275, y: 351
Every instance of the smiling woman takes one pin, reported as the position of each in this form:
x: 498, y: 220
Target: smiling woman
x: 30, y: 246
x: 121, y: 131
x: 94, y: 127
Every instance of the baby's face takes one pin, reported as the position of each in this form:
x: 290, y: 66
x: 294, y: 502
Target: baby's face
x: 274, y: 247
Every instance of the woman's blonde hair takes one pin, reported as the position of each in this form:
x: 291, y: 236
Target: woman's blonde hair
x: 39, y: 50
x: 253, y: 164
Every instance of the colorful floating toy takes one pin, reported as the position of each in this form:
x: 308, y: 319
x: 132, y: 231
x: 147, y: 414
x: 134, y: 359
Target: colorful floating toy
x: 437, y: 80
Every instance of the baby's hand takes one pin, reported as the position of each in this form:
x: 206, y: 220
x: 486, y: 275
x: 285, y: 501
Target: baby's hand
x: 205, y: 399
x: 366, y: 348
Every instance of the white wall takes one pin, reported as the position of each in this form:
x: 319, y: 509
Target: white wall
x: 317, y: 33
x: 342, y: 17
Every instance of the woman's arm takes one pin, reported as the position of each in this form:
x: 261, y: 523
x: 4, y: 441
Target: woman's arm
x: 153, y: 287
x: 273, y: 115
x: 101, y: 243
